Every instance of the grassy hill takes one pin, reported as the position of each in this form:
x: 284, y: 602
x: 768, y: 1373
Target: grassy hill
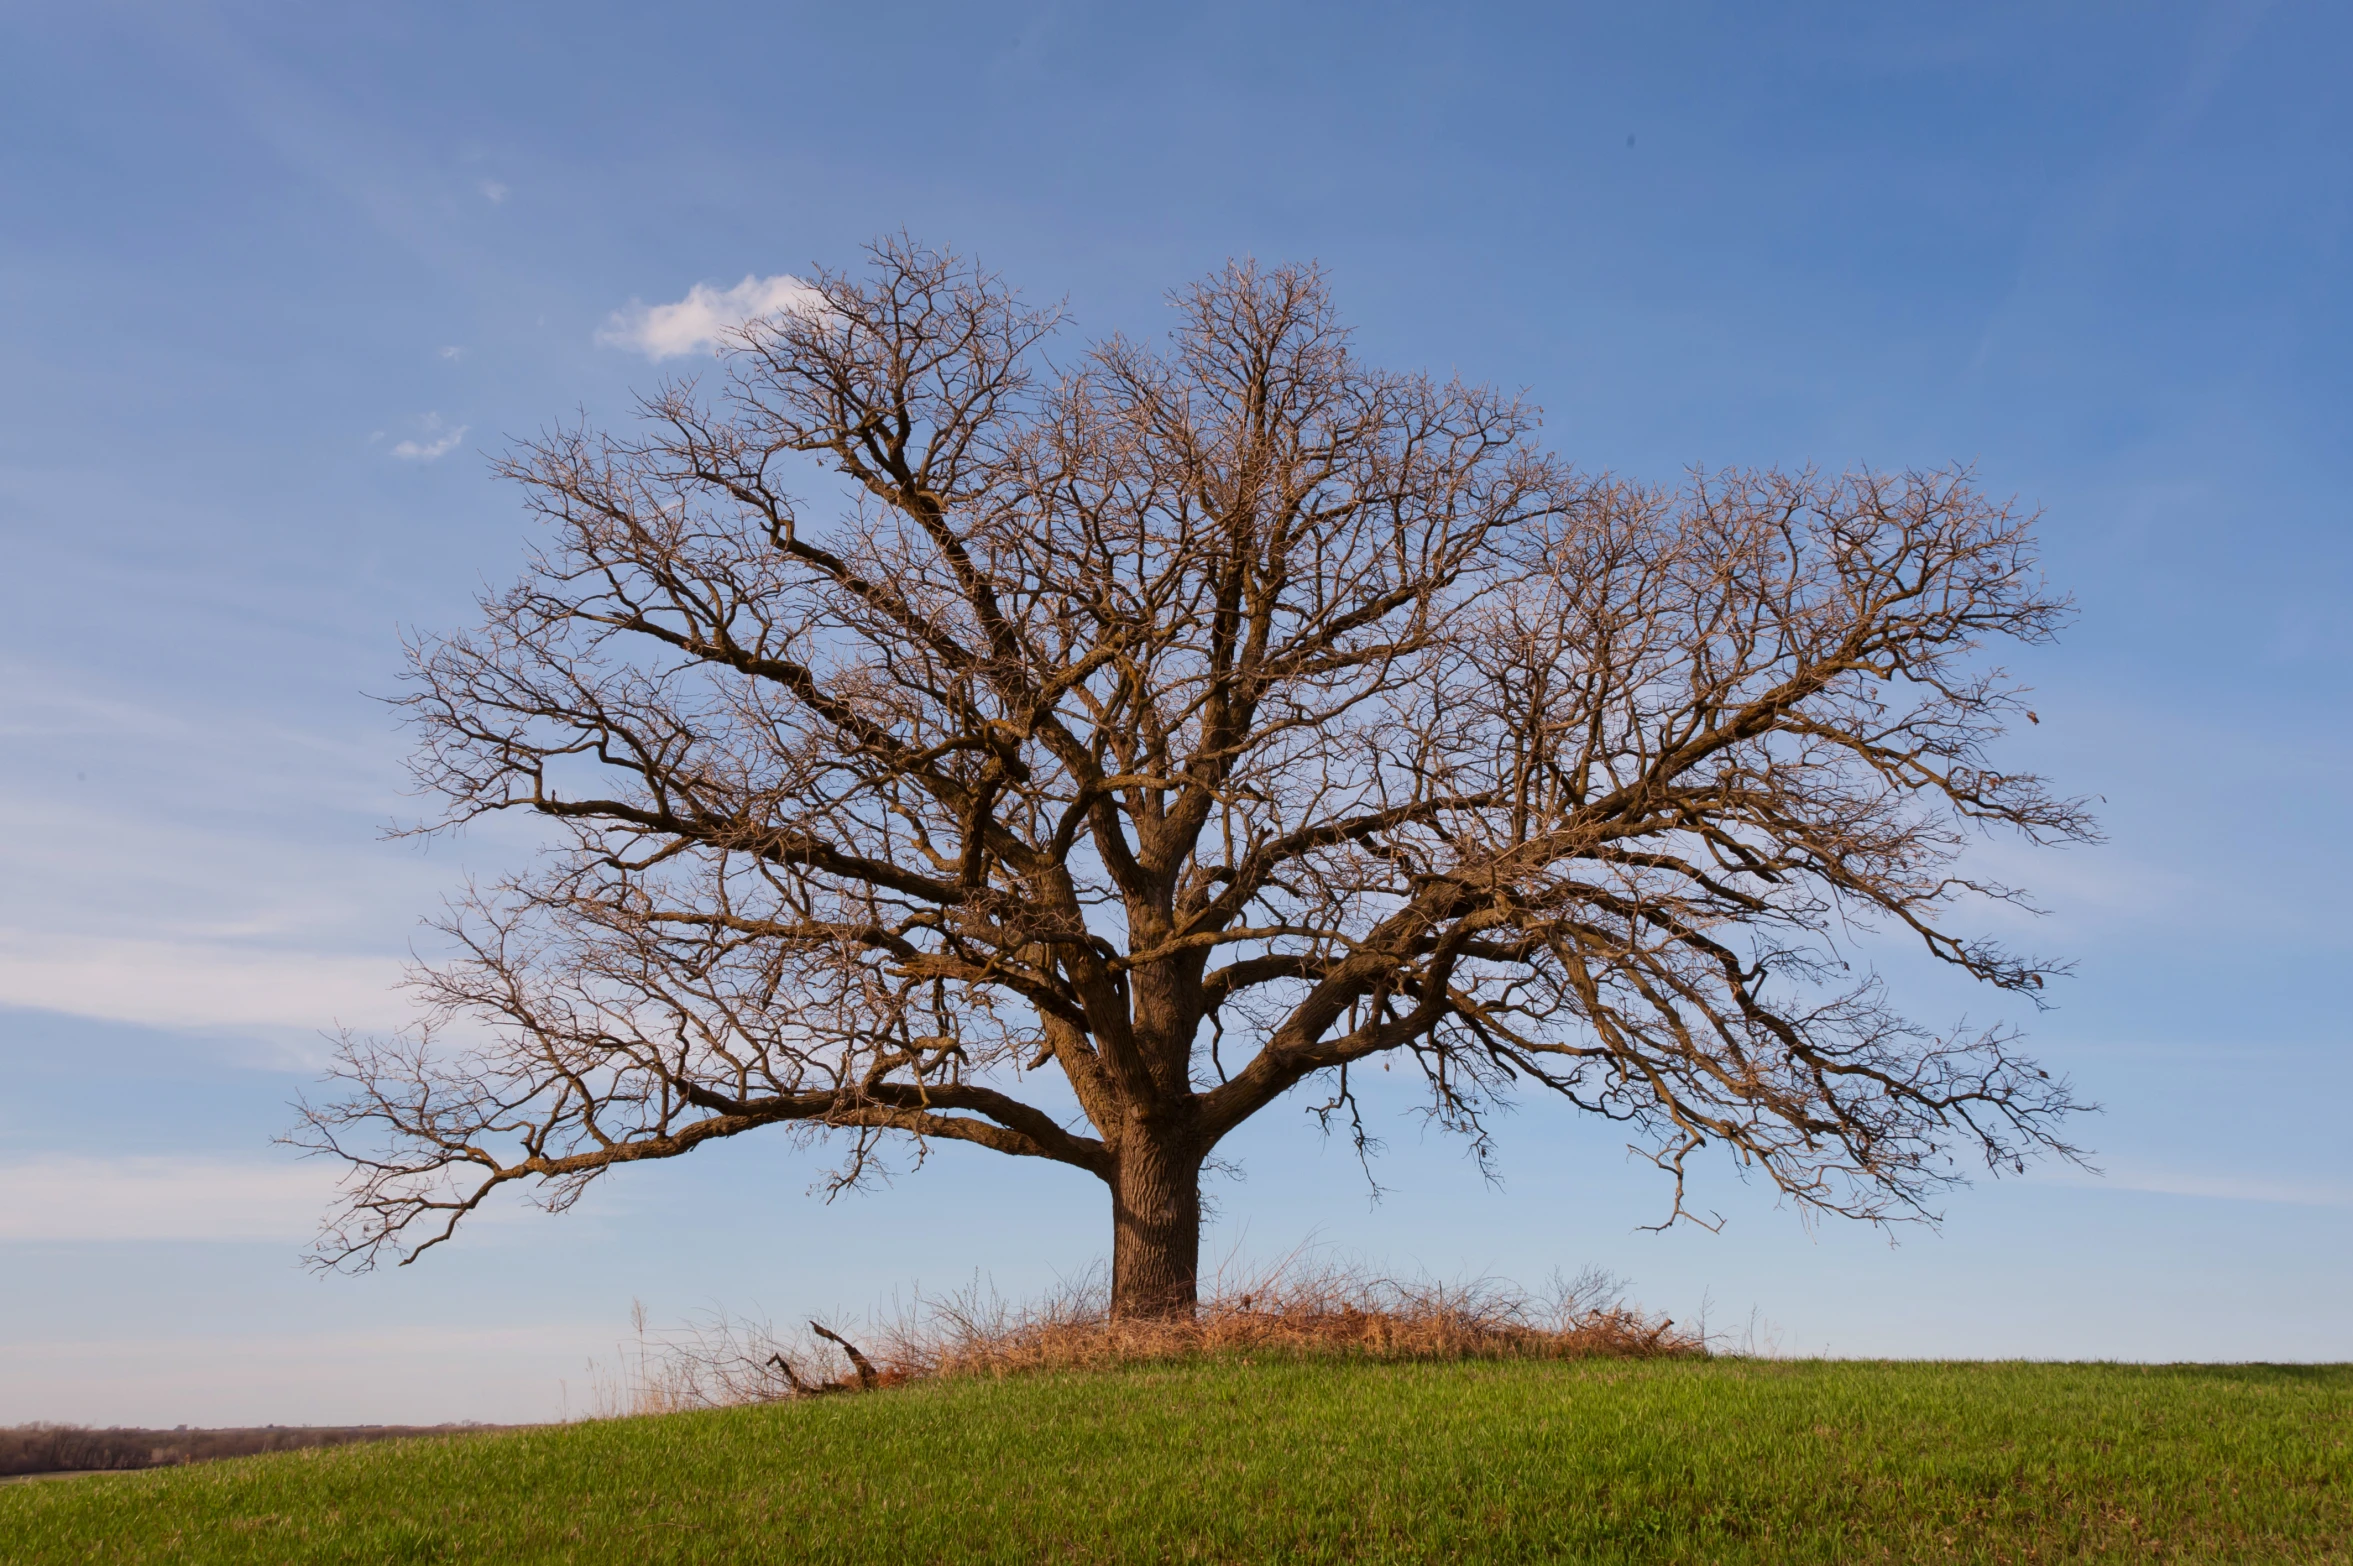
x: 1703, y: 1461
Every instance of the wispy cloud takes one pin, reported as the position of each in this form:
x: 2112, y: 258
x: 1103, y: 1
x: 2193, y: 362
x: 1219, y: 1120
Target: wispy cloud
x: 492, y: 191
x: 705, y: 317
x: 227, y: 980
x: 71, y: 1197
x: 242, y: 888
x: 2283, y: 1190
x: 453, y: 352
x: 439, y: 441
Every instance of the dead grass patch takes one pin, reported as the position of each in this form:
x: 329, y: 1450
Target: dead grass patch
x: 1291, y: 1311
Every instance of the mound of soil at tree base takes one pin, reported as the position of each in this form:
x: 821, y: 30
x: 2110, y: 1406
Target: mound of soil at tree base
x: 60, y: 1449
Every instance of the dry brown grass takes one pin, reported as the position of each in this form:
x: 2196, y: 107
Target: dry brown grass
x: 1293, y: 1310
x: 1322, y: 1311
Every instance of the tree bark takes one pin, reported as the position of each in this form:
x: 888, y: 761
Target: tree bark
x: 1156, y: 1227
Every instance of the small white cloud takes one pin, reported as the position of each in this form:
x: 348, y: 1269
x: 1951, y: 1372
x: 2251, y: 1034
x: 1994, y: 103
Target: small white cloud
x: 453, y: 353
x: 705, y: 317
x: 438, y: 442
x: 492, y: 191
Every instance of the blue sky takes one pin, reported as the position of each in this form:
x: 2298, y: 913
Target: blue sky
x: 275, y: 280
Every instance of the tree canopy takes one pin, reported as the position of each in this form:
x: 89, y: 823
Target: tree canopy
x: 1124, y: 741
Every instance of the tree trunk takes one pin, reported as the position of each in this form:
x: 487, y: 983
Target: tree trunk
x: 1155, y: 1228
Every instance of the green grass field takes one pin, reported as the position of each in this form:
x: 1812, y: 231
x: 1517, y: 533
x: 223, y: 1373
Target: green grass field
x: 1316, y: 1461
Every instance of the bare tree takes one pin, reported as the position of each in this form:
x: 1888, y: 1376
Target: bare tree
x: 1135, y: 741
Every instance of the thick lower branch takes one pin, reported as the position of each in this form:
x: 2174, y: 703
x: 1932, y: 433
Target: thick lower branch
x: 389, y: 1202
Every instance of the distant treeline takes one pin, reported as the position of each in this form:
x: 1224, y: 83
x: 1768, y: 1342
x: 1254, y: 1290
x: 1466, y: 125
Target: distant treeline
x: 48, y: 1449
